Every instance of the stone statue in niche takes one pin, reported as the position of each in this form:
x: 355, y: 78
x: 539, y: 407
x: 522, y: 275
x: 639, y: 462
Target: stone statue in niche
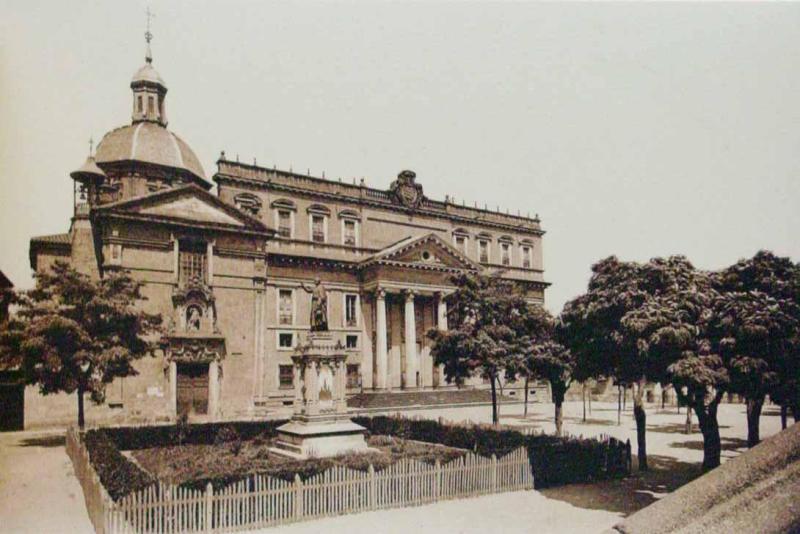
x: 319, y: 306
x: 193, y: 316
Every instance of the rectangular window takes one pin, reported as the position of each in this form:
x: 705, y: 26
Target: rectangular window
x: 317, y: 228
x: 285, y: 223
x: 192, y: 262
x: 285, y: 340
x: 351, y: 310
x: 350, y: 233
x: 285, y: 307
x: 483, y: 251
x: 461, y: 244
x: 506, y: 253
x: 351, y: 342
x: 139, y: 106
x: 526, y: 257
x: 286, y: 376
x: 151, y: 105
x: 353, y: 376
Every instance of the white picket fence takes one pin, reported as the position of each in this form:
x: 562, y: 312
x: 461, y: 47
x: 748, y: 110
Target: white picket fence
x: 262, y: 500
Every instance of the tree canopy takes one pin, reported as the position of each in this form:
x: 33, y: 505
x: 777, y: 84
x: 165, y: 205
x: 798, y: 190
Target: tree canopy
x: 490, y: 325
x: 73, y: 334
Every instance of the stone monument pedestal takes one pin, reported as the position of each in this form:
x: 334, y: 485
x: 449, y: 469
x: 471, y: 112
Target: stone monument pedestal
x: 320, y: 426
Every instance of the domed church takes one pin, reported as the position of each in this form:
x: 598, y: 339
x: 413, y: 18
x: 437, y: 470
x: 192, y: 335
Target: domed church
x: 231, y: 273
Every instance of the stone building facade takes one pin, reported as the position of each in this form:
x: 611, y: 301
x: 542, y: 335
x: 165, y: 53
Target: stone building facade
x: 231, y: 272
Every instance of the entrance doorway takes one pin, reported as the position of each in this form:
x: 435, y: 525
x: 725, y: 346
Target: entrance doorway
x: 12, y: 403
x: 192, y: 389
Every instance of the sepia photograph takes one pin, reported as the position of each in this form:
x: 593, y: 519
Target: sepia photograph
x: 394, y: 266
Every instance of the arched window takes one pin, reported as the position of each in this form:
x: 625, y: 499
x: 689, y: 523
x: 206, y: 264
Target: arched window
x: 461, y: 240
x: 284, y: 217
x: 318, y: 222
x: 351, y: 222
x: 526, y: 251
x: 248, y: 203
x: 484, y: 247
x: 506, y: 243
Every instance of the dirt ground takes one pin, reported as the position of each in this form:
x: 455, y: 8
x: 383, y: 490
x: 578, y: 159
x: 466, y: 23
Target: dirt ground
x: 38, y: 489
x: 674, y: 459
x: 39, y: 493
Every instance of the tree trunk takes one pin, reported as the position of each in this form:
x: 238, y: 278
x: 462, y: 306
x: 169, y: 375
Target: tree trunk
x: 753, y: 418
x: 583, y: 391
x: 559, y: 416
x: 526, y: 397
x: 619, y: 404
x: 495, y: 415
x: 707, y: 418
x: 641, y: 425
x: 784, y: 416
x: 687, y: 428
x: 663, y: 397
x: 81, y: 422
x: 589, y: 396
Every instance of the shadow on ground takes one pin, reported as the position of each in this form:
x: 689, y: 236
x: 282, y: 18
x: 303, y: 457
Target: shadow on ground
x: 675, y: 428
x: 44, y: 441
x: 590, y: 421
x: 630, y: 494
x: 727, y: 444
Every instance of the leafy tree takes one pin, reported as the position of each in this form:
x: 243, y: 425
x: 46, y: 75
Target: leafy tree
x: 761, y: 334
x: 73, y: 334
x: 489, y: 322
x: 672, y: 328
x: 551, y: 361
x: 620, y: 327
x: 753, y: 330
x: 592, y: 330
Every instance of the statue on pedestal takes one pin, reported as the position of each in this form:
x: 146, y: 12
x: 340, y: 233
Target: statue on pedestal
x: 319, y: 306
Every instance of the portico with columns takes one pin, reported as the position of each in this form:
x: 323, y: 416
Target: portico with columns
x: 407, y: 285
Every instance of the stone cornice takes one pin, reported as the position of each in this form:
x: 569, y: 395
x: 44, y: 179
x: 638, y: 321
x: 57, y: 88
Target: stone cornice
x: 380, y: 199
x: 175, y: 222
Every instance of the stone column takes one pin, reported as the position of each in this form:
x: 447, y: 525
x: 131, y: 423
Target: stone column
x: 213, y: 389
x: 410, y: 341
x: 210, y: 262
x: 381, y: 358
x: 173, y: 387
x: 176, y: 259
x: 441, y: 318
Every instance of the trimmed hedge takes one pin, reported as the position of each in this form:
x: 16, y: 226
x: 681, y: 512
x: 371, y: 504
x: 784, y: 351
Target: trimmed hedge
x: 118, y: 474
x: 555, y: 460
x: 145, y: 437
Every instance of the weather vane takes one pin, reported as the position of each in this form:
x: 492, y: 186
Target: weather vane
x: 91, y: 145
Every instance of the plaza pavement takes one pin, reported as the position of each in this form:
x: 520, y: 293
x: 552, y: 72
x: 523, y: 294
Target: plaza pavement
x: 39, y: 493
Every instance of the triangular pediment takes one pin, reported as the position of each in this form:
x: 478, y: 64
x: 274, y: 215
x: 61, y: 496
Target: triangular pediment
x: 187, y: 205
x: 191, y: 208
x: 429, y: 250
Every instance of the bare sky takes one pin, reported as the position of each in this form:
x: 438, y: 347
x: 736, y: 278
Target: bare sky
x: 632, y: 129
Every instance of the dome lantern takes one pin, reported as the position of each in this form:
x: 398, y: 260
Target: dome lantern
x: 149, y: 90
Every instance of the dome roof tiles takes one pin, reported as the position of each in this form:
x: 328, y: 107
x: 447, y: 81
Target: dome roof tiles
x: 148, y: 142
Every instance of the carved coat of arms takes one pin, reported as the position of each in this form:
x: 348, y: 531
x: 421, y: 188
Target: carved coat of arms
x: 406, y: 190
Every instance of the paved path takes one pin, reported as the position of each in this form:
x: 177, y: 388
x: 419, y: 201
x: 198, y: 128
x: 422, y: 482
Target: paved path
x: 38, y: 490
